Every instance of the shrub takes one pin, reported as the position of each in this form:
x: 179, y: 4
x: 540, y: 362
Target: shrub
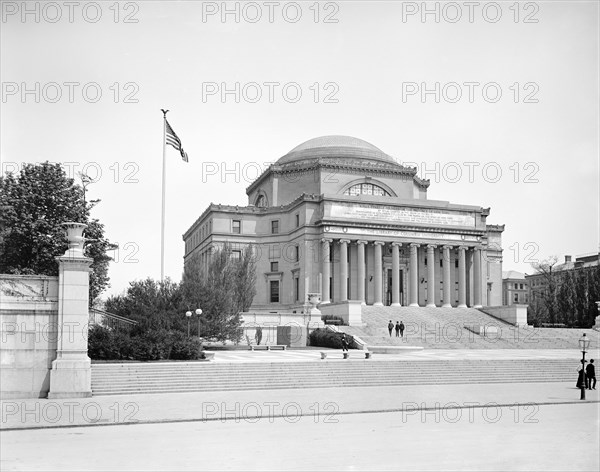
x: 151, y: 345
x: 325, y: 338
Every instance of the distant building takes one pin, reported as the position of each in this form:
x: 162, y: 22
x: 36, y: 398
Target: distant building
x: 515, y: 288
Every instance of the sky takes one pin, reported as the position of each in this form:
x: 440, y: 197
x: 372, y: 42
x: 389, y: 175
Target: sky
x: 497, y: 104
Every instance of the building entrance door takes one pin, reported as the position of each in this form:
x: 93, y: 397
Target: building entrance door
x: 387, y: 289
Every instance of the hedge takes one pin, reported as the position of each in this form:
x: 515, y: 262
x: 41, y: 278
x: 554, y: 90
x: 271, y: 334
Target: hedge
x: 153, y: 345
x: 325, y: 338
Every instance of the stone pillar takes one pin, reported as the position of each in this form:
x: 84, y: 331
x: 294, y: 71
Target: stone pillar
x: 361, y: 271
x: 378, y: 274
x: 344, y: 270
x: 414, y: 275
x: 431, y: 275
x: 325, y: 270
x: 71, y: 374
x: 447, y: 278
x: 396, y: 274
x: 477, y: 277
x: 462, y: 277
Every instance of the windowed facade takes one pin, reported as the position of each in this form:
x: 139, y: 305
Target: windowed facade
x: 366, y: 189
x: 236, y: 227
x: 274, y: 291
x: 275, y: 227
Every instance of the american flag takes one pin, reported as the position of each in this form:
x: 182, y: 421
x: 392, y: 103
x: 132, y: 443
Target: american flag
x: 174, y: 141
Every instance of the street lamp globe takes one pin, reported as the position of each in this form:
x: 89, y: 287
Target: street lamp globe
x: 584, y: 343
x: 188, y: 314
x: 198, y: 312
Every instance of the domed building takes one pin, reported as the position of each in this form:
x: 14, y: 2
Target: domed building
x: 338, y: 217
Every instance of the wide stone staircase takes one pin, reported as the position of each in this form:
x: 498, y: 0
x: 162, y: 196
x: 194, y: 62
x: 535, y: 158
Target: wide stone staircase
x: 162, y: 377
x: 444, y: 328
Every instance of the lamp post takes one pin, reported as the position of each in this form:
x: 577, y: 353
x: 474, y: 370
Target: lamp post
x: 189, y: 314
x: 584, y: 343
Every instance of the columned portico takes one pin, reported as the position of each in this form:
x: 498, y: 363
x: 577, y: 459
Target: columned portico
x: 360, y: 270
x: 462, y: 277
x: 447, y: 279
x: 378, y: 273
x: 431, y: 275
x: 477, y: 277
x: 414, y: 275
x: 396, y: 274
x: 325, y: 269
x: 344, y: 270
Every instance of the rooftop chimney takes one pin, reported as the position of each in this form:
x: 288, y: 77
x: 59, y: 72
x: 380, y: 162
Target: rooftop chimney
x: 567, y: 259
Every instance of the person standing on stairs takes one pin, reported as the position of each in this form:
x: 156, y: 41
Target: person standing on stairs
x: 390, y: 327
x: 401, y: 329
x: 397, y: 329
x: 344, y: 343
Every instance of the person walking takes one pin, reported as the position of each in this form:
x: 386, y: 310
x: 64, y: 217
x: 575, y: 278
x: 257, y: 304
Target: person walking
x: 390, y: 327
x: 344, y: 343
x: 590, y: 373
x: 401, y: 329
x: 397, y: 329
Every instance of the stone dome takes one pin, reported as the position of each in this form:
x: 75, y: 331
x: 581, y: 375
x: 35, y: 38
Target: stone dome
x: 335, y: 147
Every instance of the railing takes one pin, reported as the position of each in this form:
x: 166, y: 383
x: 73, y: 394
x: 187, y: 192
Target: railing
x: 109, y: 320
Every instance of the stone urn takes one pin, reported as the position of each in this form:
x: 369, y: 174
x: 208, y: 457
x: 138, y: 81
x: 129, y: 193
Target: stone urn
x: 75, y: 238
x: 314, y: 299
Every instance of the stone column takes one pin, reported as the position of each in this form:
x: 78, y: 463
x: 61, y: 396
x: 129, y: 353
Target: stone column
x: 462, y: 277
x: 447, y: 278
x: 325, y: 270
x: 414, y: 275
x: 396, y: 274
x: 477, y: 277
x: 431, y: 275
x: 378, y: 274
x: 71, y: 374
x: 361, y: 271
x: 344, y: 270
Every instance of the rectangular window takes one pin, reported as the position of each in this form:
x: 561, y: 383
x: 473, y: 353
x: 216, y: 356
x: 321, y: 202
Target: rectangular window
x: 275, y: 266
x: 516, y: 297
x: 297, y: 221
x: 296, y: 288
x: 456, y: 264
x: 297, y: 253
x: 274, y: 291
x: 275, y: 227
x: 236, y: 255
x: 516, y: 286
x: 441, y: 263
x: 521, y: 286
x: 237, y: 227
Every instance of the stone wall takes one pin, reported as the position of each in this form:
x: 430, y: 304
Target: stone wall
x: 28, y: 333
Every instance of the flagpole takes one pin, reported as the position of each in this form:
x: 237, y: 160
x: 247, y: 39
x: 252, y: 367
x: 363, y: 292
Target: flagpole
x: 164, y: 181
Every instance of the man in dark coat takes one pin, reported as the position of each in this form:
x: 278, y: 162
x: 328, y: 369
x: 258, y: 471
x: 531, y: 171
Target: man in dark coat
x: 397, y: 329
x: 344, y: 343
x: 401, y: 329
x: 590, y: 373
x: 390, y: 327
x: 581, y: 375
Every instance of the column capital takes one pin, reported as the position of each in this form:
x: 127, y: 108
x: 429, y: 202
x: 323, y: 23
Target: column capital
x: 361, y: 241
x: 378, y: 243
x: 431, y: 246
x: 462, y: 247
x: 448, y: 246
x: 345, y: 241
x: 396, y: 244
x: 414, y: 244
x: 326, y: 240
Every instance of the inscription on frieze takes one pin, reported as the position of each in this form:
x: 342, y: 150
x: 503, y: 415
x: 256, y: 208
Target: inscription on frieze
x: 401, y: 215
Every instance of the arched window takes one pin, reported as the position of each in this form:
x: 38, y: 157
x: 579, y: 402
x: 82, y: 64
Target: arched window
x: 261, y: 201
x: 366, y: 189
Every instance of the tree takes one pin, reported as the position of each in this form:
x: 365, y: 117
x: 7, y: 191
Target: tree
x: 155, y: 305
x: 35, y: 203
x: 223, y: 291
x: 547, y: 309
